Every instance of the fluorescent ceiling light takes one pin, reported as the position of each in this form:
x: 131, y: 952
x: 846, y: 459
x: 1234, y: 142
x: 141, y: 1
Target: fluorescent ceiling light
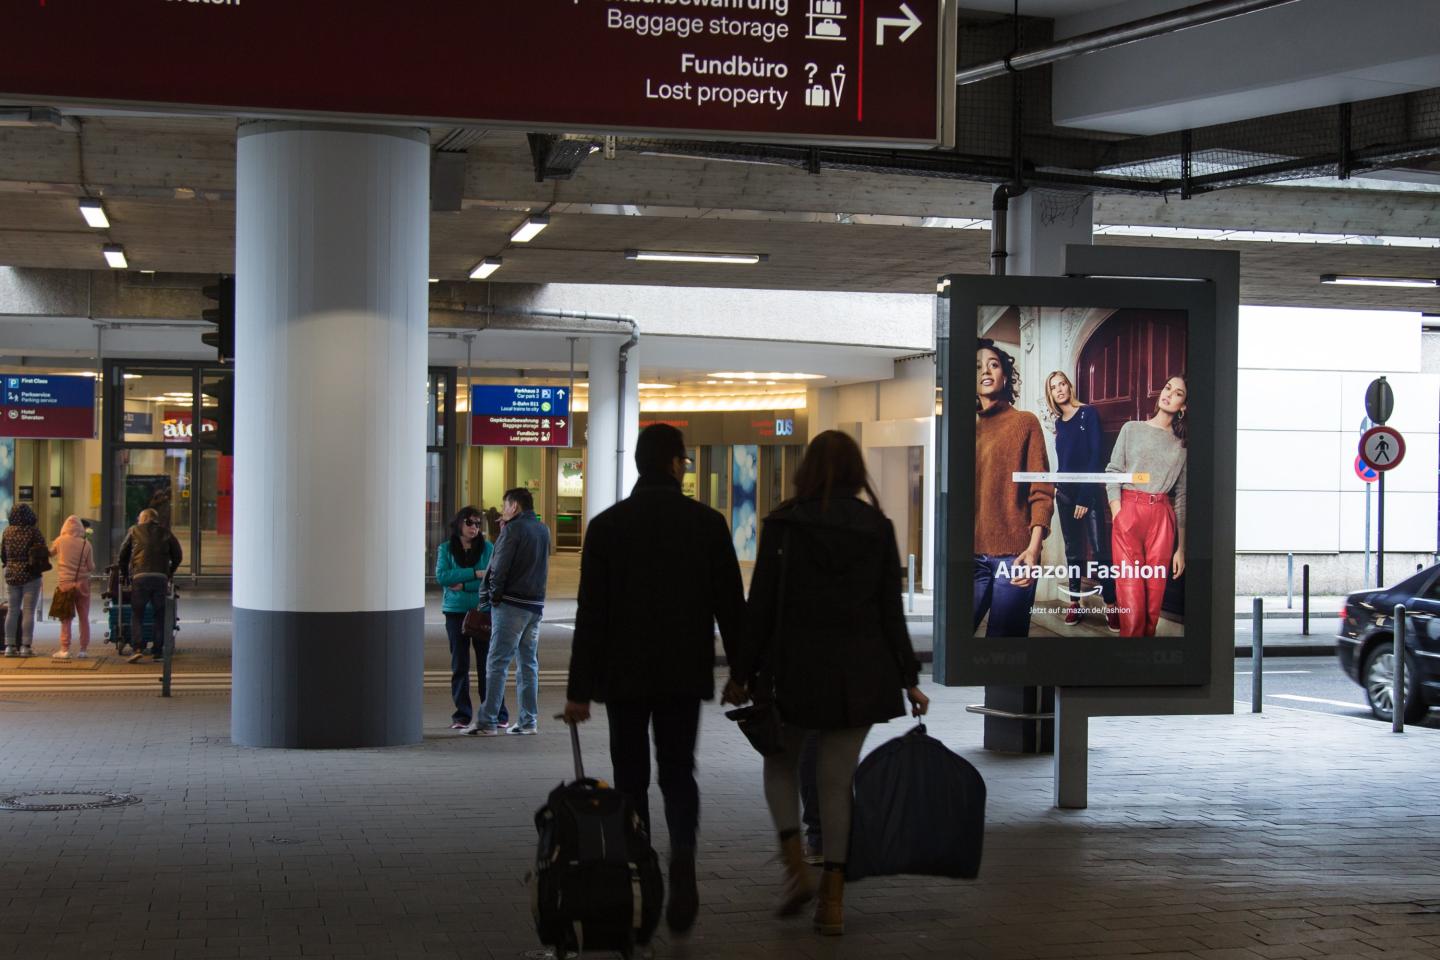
x: 486, y: 267
x: 94, y: 213
x: 1344, y: 281
x: 657, y: 386
x: 434, y: 279
x: 530, y: 229
x: 691, y: 256
x: 752, y: 375
x: 115, y: 256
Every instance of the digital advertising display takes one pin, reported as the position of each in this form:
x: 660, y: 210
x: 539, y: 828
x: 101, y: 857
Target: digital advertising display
x: 1072, y: 512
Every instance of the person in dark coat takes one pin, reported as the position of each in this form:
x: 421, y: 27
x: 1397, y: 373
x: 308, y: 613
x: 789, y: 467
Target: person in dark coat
x: 658, y: 572
x: 824, y: 624
x: 22, y: 548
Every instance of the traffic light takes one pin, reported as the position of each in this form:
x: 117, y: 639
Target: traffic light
x: 222, y: 391
x: 222, y: 291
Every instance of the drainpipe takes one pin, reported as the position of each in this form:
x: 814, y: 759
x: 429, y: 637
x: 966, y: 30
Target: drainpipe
x: 625, y: 349
x: 999, y: 222
x: 1199, y: 15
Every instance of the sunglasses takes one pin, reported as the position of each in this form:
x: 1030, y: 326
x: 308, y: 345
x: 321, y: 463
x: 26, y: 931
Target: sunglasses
x: 471, y: 521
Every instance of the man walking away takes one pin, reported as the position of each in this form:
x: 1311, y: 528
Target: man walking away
x: 514, y: 586
x: 149, y: 558
x: 658, y: 571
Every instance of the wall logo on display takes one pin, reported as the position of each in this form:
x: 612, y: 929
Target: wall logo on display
x: 785, y: 427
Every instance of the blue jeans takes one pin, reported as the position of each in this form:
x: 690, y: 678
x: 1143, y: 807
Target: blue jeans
x: 1007, y: 604
x: 514, y: 634
x: 20, y: 621
x: 460, y: 668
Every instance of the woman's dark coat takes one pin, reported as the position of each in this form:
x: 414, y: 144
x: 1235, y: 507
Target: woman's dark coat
x: 842, y: 655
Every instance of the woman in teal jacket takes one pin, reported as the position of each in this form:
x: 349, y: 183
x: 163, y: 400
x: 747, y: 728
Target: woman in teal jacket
x: 459, y: 568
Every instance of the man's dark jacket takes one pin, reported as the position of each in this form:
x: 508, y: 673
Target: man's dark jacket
x: 834, y: 638
x: 657, y: 573
x: 150, y: 548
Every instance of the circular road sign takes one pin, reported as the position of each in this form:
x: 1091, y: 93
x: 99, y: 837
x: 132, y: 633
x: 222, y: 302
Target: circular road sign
x: 1366, y: 473
x: 1379, y: 400
x: 1382, y: 448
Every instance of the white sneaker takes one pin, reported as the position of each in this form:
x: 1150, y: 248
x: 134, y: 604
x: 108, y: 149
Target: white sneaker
x: 82, y: 655
x: 11, y: 652
x: 60, y: 655
x: 26, y: 652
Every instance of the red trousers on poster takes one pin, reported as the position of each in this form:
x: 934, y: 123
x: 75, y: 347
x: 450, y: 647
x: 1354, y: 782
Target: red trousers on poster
x: 1142, y: 534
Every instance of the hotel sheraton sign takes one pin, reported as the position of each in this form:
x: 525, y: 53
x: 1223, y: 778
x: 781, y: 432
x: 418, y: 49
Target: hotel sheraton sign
x: 877, y: 72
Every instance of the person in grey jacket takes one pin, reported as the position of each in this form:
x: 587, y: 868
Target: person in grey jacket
x: 148, y: 558
x: 514, y: 587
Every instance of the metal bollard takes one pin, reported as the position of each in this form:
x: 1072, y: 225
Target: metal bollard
x: 1289, y: 581
x: 910, y: 582
x: 1305, y: 600
x: 1257, y: 654
x: 1397, y: 718
x: 169, y: 646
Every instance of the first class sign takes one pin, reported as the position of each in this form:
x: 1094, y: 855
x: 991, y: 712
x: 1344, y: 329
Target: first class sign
x: 877, y: 72
x: 47, y: 408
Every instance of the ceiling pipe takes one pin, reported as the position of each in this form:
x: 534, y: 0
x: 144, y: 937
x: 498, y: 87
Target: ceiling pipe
x: 1199, y: 15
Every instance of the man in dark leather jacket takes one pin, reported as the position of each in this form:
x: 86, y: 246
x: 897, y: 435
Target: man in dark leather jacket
x: 149, y: 558
x: 658, y: 573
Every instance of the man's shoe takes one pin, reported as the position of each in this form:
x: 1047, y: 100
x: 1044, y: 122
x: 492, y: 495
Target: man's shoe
x: 135, y: 657
x: 26, y: 652
x: 1072, y: 616
x: 60, y: 655
x: 82, y: 655
x: 1112, y: 620
x: 684, y: 897
x: 503, y: 724
x: 523, y: 730
x: 11, y: 652
x: 484, y: 730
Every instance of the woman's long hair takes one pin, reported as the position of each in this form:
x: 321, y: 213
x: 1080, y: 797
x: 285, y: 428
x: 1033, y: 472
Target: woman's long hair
x: 467, y: 558
x: 1177, y: 422
x: 833, y: 467
x: 1055, y: 410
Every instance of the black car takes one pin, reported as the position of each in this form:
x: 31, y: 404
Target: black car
x: 1365, y: 644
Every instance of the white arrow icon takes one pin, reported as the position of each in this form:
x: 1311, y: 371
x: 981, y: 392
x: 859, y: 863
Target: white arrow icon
x: 910, y: 22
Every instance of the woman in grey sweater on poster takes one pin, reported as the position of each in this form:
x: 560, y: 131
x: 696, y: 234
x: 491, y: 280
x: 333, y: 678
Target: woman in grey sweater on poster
x: 1147, y: 530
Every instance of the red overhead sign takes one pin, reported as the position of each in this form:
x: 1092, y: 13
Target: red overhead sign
x: 876, y: 71
x: 507, y: 431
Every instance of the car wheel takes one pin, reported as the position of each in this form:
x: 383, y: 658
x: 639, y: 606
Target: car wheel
x: 1379, y: 677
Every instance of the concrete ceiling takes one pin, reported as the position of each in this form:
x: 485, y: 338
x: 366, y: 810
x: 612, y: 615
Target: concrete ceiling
x: 168, y: 186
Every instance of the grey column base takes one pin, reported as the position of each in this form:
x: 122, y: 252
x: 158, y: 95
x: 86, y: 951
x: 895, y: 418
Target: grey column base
x: 327, y: 680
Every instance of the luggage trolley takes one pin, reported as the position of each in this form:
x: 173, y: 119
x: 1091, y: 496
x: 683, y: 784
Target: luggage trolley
x: 117, y: 613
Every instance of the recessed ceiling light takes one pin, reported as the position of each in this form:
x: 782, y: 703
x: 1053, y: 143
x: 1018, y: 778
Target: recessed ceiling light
x: 657, y: 386
x: 530, y: 229
x: 94, y: 213
x: 752, y: 375
x: 434, y: 279
x: 691, y: 256
x: 486, y: 267
x: 115, y: 256
x: 1344, y: 281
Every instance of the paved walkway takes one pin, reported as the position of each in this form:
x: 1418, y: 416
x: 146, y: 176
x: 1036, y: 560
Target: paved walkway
x: 1241, y: 837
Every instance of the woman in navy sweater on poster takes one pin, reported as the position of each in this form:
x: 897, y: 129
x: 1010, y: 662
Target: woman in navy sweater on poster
x: 1079, y: 448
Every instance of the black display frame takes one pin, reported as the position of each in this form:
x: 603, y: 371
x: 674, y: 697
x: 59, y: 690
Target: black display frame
x: 964, y: 659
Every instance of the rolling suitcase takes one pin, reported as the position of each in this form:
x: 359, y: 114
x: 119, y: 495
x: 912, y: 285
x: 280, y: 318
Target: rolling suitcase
x: 594, y: 869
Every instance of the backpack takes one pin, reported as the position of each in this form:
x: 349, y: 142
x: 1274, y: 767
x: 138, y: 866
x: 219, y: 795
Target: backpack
x: 595, y: 868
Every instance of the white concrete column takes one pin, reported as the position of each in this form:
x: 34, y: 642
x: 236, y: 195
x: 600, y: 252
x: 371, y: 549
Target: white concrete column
x: 331, y: 260
x: 1041, y: 223
x: 608, y: 449
x: 822, y: 405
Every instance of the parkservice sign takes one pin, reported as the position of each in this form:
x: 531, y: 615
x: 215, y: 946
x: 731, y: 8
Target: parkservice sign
x: 808, y: 71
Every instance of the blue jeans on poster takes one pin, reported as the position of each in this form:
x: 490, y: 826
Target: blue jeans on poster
x: 514, y: 635
x: 1007, y: 604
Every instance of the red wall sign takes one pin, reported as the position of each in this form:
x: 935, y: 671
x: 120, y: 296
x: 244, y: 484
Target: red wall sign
x: 798, y: 70
x: 502, y: 431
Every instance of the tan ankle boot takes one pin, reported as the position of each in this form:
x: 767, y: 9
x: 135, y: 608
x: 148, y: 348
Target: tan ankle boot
x: 830, y: 909
x: 799, y: 888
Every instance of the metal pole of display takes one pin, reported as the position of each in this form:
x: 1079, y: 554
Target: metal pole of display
x: 167, y: 630
x: 1289, y: 581
x: 1367, y: 536
x: 910, y: 581
x: 1257, y: 654
x: 1305, y: 600
x: 1397, y: 699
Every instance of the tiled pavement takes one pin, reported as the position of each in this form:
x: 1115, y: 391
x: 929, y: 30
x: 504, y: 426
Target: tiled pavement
x: 1286, y: 834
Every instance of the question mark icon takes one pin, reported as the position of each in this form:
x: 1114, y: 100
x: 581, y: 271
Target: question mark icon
x: 812, y: 69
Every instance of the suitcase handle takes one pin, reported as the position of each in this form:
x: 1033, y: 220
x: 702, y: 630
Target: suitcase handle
x: 574, y: 745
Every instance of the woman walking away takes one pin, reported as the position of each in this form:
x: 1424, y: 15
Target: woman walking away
x: 26, y: 556
x: 824, y: 626
x: 459, y: 567
x: 74, y: 562
x: 1148, y: 519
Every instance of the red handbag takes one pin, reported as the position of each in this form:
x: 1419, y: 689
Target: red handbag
x: 476, y: 624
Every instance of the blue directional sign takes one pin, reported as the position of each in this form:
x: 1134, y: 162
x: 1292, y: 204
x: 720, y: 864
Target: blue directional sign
x: 516, y: 401
x: 47, y: 407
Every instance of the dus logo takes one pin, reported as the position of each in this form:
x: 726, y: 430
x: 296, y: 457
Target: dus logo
x: 785, y: 428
